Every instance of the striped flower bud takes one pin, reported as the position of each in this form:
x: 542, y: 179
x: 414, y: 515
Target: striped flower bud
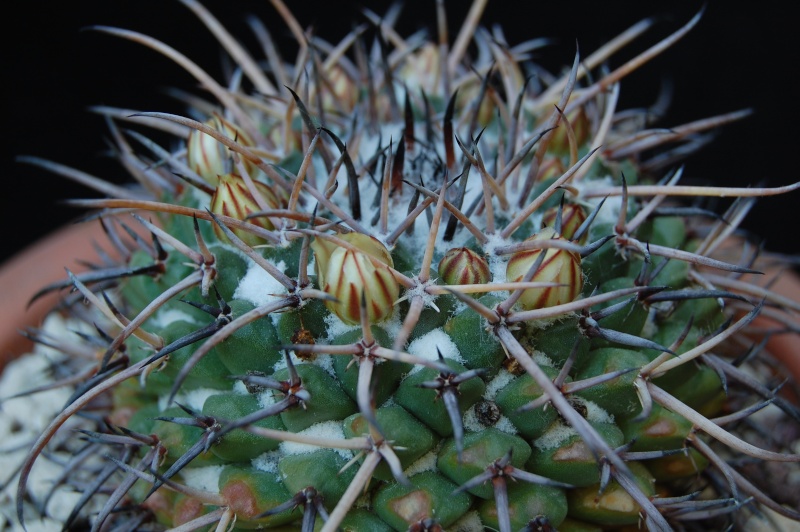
x: 233, y: 198
x: 572, y: 216
x: 209, y: 158
x: 339, y: 92
x: 422, y: 70
x: 581, y: 126
x: 346, y: 274
x: 463, y: 266
x: 558, y: 266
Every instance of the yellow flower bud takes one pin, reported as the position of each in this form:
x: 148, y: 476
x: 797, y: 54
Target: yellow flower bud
x: 558, y: 266
x: 422, y: 70
x: 233, y: 198
x: 339, y: 92
x: 209, y: 158
x: 572, y: 216
x: 346, y: 274
x: 579, y: 121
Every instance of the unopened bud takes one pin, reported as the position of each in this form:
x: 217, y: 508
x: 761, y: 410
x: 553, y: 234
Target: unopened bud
x: 558, y: 266
x: 346, y: 274
x: 422, y: 70
x: 233, y: 198
x: 464, y: 266
x: 209, y: 158
x: 339, y: 92
x: 572, y: 216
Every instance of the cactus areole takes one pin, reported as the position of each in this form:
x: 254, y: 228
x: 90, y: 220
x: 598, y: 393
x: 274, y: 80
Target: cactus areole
x: 407, y: 283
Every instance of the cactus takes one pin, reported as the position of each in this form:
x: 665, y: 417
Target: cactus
x: 396, y: 285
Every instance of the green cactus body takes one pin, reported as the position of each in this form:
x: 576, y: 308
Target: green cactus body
x: 239, y: 445
x: 412, y: 438
x: 564, y: 456
x: 321, y: 469
x: 613, y: 505
x: 479, y: 449
x: 527, y: 502
x: 430, y: 494
x: 343, y: 344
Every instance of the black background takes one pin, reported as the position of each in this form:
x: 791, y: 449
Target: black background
x: 53, y: 71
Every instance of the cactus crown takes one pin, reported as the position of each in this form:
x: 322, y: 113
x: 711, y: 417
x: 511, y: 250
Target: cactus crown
x: 400, y: 285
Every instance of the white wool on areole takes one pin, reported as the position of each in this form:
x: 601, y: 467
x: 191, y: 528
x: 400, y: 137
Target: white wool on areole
x: 325, y: 362
x: 258, y: 287
x: 393, y: 323
x: 267, y: 462
x: 281, y: 362
x: 240, y: 388
x: 554, y: 436
x: 427, y: 462
x: 473, y: 424
x: 193, y: 399
x: 322, y: 360
x: 419, y: 291
x: 167, y: 316
x: 497, y: 383
x: 497, y: 263
x: 595, y: 413
x: 542, y: 359
x: 429, y: 345
x: 388, y: 402
x: 266, y: 398
x: 557, y: 433
x: 505, y: 425
x: 469, y: 522
x: 337, y: 327
x: 204, y: 478
x: 331, y: 430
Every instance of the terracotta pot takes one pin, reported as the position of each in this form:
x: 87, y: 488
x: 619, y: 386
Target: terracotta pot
x: 784, y: 347
x: 39, y: 264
